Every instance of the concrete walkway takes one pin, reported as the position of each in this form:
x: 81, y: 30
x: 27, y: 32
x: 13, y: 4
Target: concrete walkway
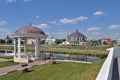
x: 3, y: 60
x: 73, y: 61
x: 18, y: 67
x: 115, y: 71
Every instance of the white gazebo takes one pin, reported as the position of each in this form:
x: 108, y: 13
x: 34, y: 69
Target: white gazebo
x: 21, y: 36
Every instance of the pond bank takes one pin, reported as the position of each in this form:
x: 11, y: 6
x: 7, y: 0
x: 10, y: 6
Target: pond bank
x: 97, y: 53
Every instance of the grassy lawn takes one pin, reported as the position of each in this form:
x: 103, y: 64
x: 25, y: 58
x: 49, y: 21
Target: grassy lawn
x: 59, y: 71
x: 84, y: 48
x: 91, y: 51
x: 7, y: 63
x: 7, y: 57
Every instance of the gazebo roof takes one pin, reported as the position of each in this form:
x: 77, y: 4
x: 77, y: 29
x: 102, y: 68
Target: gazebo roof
x: 29, y: 31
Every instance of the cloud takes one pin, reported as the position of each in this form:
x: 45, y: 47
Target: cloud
x: 10, y: 1
x: 37, y: 16
x: 42, y: 26
x: 4, y: 32
x: 3, y: 22
x: 27, y: 0
x: 81, y: 18
x: 53, y: 22
x: 14, y: 1
x: 60, y: 34
x: 98, y: 13
x: 67, y: 21
x: 73, y: 20
x: 116, y: 26
x: 93, y: 29
x: 96, y: 33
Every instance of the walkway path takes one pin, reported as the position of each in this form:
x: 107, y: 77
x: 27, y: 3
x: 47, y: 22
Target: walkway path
x: 115, y: 72
x: 74, y: 61
x: 2, y: 59
x: 6, y: 70
x: 18, y: 67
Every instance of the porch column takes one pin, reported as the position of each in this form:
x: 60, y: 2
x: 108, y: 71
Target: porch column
x: 37, y: 48
x: 15, y: 46
x: 25, y: 46
x: 19, y: 47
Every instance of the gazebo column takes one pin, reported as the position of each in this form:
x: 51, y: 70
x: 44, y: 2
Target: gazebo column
x: 19, y: 47
x: 15, y: 46
x: 25, y: 46
x: 37, y: 48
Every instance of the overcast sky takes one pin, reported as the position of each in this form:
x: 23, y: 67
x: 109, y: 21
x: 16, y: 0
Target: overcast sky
x: 94, y: 18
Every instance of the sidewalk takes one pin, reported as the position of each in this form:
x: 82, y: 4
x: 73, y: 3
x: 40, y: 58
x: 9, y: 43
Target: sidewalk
x: 3, y: 60
x: 6, y: 70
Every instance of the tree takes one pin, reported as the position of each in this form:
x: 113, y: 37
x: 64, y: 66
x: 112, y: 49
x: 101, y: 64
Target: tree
x: 8, y: 41
x: 58, y: 41
x: 2, y: 41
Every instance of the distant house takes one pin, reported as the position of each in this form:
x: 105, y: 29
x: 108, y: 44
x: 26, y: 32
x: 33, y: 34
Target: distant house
x: 8, y: 40
x: 118, y: 41
x: 50, y: 41
x: 76, y: 38
x: 106, y: 41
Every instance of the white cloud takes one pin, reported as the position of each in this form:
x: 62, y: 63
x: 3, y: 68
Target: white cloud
x: 43, y: 26
x: 67, y: 21
x: 96, y: 33
x: 4, y: 32
x: 81, y: 18
x: 93, y: 29
x: 53, y: 22
x: 27, y: 0
x: 73, y: 20
x: 3, y: 22
x: 98, y: 13
x: 60, y: 34
x: 37, y: 16
x: 14, y: 1
x: 10, y: 1
x: 116, y: 26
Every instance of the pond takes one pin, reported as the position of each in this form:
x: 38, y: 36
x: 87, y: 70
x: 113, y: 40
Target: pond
x: 72, y: 57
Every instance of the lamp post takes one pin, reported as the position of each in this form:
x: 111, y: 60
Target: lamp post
x: 45, y: 51
x: 0, y: 46
x: 86, y: 52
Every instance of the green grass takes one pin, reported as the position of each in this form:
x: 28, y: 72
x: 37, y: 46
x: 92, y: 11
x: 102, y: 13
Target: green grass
x: 7, y: 63
x: 84, y: 48
x: 71, y: 50
x: 59, y: 71
x: 7, y: 57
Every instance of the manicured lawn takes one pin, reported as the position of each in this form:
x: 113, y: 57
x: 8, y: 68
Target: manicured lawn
x: 84, y: 48
x: 59, y: 71
x: 7, y: 63
x: 91, y: 51
x: 7, y: 57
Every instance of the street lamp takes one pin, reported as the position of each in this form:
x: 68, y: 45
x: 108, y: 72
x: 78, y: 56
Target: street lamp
x: 45, y: 51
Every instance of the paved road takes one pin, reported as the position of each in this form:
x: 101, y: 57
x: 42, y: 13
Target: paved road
x: 6, y: 70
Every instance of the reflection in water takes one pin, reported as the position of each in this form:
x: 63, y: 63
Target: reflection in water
x: 71, y: 57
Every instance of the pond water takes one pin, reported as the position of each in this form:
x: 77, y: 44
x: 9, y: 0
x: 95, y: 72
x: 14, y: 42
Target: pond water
x: 72, y: 57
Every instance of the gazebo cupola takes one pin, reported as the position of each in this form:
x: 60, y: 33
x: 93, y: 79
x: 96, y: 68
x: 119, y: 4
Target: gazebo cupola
x: 23, y: 34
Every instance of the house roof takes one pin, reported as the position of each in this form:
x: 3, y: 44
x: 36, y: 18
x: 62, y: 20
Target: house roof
x: 77, y: 33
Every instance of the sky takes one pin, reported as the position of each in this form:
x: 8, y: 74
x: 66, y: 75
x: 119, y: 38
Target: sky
x: 96, y: 19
